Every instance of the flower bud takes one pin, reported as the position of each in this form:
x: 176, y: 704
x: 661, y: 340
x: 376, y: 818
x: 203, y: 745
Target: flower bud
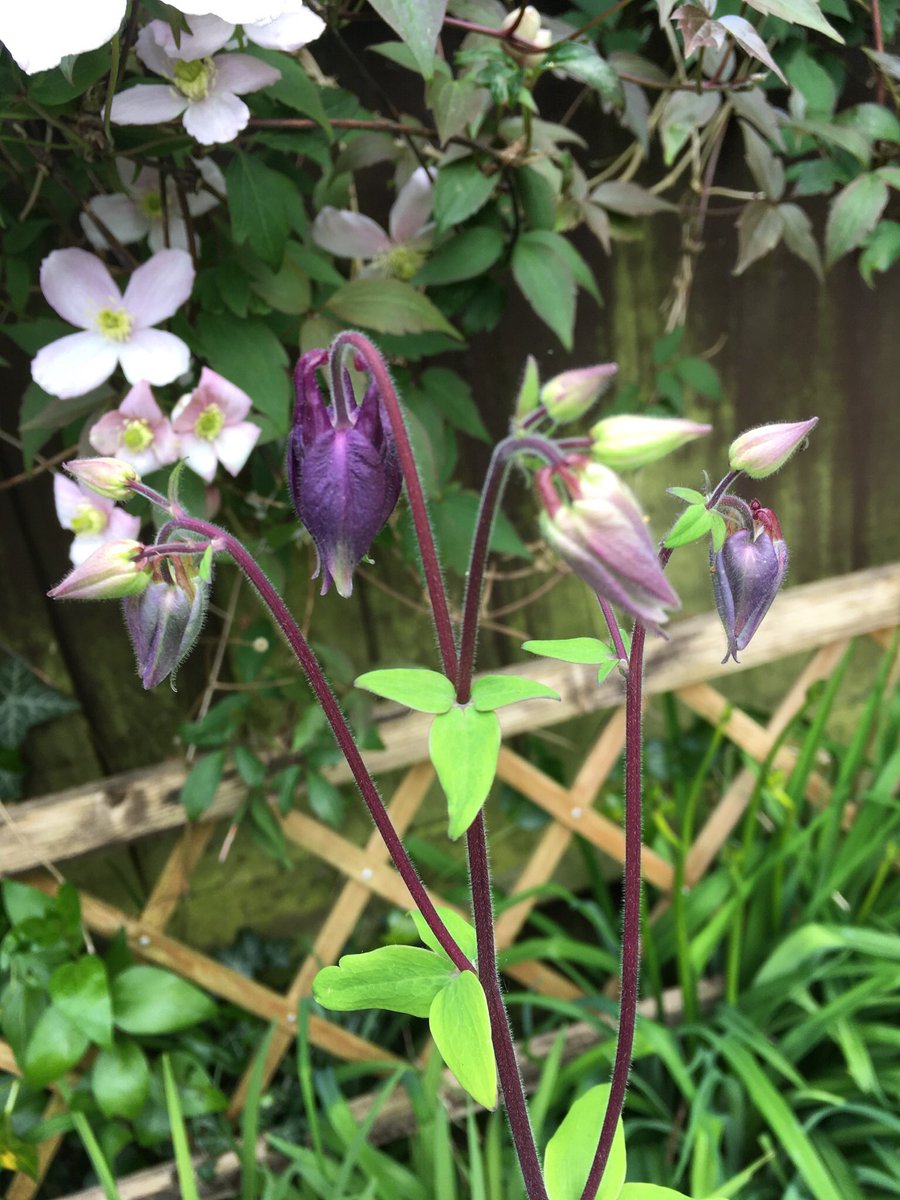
x: 165, y: 620
x: 343, y: 471
x: 761, y: 452
x: 107, y: 477
x: 527, y: 28
x: 602, y: 536
x: 110, y: 573
x: 748, y: 571
x: 628, y: 442
x: 573, y: 393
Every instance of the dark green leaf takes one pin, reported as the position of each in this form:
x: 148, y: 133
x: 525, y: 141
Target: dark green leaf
x: 582, y: 62
x: 294, y: 88
x: 148, y: 1000
x: 418, y: 23
x: 460, y: 190
x: 399, y: 978
x: 120, y: 1080
x: 853, y: 215
x: 249, y: 355
x: 387, y: 306
x: 468, y: 254
x: 259, y: 215
x: 55, y: 1046
x: 450, y: 393
x: 547, y: 283
x: 199, y: 788
x: 455, y: 104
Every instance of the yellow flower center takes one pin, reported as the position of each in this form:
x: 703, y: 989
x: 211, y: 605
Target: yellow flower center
x: 209, y: 424
x: 89, y: 519
x: 194, y: 79
x: 402, y: 262
x: 137, y: 435
x: 151, y: 204
x: 115, y: 324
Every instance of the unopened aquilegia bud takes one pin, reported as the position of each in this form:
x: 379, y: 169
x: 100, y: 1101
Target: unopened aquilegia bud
x: 109, y: 477
x: 113, y: 570
x: 571, y: 394
x: 763, y: 451
x: 165, y: 620
x: 628, y: 442
x: 748, y: 571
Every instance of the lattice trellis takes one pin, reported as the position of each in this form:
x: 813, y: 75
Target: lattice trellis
x: 819, y: 618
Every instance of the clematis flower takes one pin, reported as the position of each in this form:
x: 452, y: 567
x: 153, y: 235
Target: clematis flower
x: 210, y: 425
x: 139, y: 212
x: 204, y: 86
x: 41, y: 33
x: 343, y: 472
x: 399, y: 253
x: 93, y: 519
x: 137, y: 432
x: 294, y: 27
x: 748, y: 571
x: 116, y: 328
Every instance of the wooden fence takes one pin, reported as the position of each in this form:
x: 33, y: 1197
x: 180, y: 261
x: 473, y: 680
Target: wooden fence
x: 816, y: 621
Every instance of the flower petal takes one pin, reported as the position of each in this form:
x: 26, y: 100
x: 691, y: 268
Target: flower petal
x: 212, y: 182
x: 147, y: 104
x: 140, y: 405
x: 412, y: 208
x: 218, y: 118
x: 122, y: 524
x: 241, y: 73
x: 155, y: 356
x: 215, y: 389
x: 199, y: 455
x: 120, y: 215
x: 105, y: 435
x: 209, y: 33
x: 349, y: 234
x: 296, y: 27
x: 234, y: 443
x: 41, y: 33
x: 178, y: 235
x: 151, y: 50
x: 238, y: 11
x: 75, y: 364
x: 68, y: 496
x: 77, y: 285
x: 159, y: 287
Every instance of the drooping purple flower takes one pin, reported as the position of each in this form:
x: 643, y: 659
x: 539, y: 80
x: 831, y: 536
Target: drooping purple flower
x: 343, y: 472
x: 748, y: 571
x: 165, y: 619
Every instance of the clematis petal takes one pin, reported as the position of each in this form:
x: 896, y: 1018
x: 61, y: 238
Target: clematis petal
x: 41, y: 33
x: 105, y: 435
x: 349, y: 234
x: 147, y: 104
x: 215, y: 389
x: 159, y: 287
x: 75, y: 364
x: 178, y: 235
x: 213, y: 181
x: 295, y: 28
x: 219, y: 118
x: 241, y: 73
x: 120, y: 215
x: 77, y: 285
x: 200, y: 456
x: 151, y: 51
x: 238, y: 11
x: 154, y: 355
x: 122, y: 524
x: 234, y: 444
x: 137, y: 183
x: 69, y: 497
x: 412, y: 208
x: 140, y: 404
x: 209, y: 33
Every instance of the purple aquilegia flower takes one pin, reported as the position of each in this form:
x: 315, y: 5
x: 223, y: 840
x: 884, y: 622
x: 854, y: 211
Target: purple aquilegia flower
x: 137, y: 432
x: 116, y: 328
x: 343, y: 471
x: 164, y: 619
x: 210, y: 425
x: 93, y: 519
x: 398, y: 253
x: 204, y: 86
x: 749, y: 569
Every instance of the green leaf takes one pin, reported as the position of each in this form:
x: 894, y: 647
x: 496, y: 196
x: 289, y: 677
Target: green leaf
x: 455, y: 103
x: 56, y: 87
x: 854, y: 213
x: 454, y: 519
x: 461, y: 1028
x: 650, y: 1191
x: 570, y: 1152
x: 387, y: 306
x: 493, y: 691
x: 402, y: 979
x: 630, y: 199
x: 797, y: 12
x: 458, y: 927
x: 25, y: 702
x: 416, y: 687
x: 683, y: 113
x: 452, y: 395
x: 150, y: 1000
x: 799, y: 238
x: 469, y: 254
x: 24, y: 903
x: 759, y: 231
x: 460, y: 190
x: 120, y: 1080
x: 463, y: 746
x: 199, y: 788
x: 256, y: 202
x: 417, y: 23
x: 294, y: 88
x: 882, y: 249
x: 699, y: 375
x: 547, y: 282
x: 80, y: 990
x: 55, y: 1046
x: 581, y: 61
x: 250, y: 355
x: 690, y: 494
x: 590, y: 651
x: 694, y: 523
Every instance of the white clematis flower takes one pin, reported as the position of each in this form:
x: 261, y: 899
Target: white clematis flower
x: 136, y: 432
x: 115, y: 328
x: 210, y: 425
x: 293, y: 27
x: 39, y: 34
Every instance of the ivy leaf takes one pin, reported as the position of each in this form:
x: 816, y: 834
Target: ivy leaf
x: 149, y: 1000
x: 387, y: 306
x: 457, y: 926
x: 80, y: 991
x: 493, y: 691
x: 417, y: 23
x: 570, y: 1152
x: 694, y: 523
x: 854, y: 213
x: 461, y: 1028
x: 547, y: 282
x: 416, y: 687
x: 402, y: 979
x: 25, y: 702
x: 463, y: 746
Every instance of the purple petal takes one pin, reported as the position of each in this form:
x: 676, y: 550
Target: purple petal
x: 147, y: 104
x: 77, y: 285
x: 234, y: 444
x: 349, y: 234
x: 154, y: 355
x: 120, y: 215
x: 413, y: 206
x: 158, y: 288
x: 218, y: 118
x: 75, y: 364
x: 241, y: 73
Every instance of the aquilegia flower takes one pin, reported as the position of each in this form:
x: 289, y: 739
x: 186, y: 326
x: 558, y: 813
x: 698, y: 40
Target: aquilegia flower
x: 204, y: 86
x: 93, y: 519
x: 399, y: 253
x: 210, y: 425
x: 343, y: 471
x: 749, y: 569
x: 164, y: 619
x: 137, y: 432
x: 116, y: 328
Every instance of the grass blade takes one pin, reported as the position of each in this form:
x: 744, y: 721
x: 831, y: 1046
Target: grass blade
x: 183, y: 1163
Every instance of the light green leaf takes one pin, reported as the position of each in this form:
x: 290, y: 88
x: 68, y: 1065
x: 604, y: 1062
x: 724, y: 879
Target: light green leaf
x: 810, y: 941
x: 460, y: 190
x: 120, y: 1080
x: 547, y: 282
x: 80, y: 990
x: 151, y: 1000
x: 463, y: 746
x: 457, y: 926
x: 402, y: 979
x: 493, y: 691
x: 590, y: 651
x: 387, y: 306
x: 55, y: 1046
x: 25, y: 903
x: 461, y: 1028
x: 470, y: 253
x: 694, y: 523
x: 797, y: 12
x: 417, y: 23
x: 650, y: 1191
x: 416, y: 687
x: 570, y: 1152
x: 690, y: 494
x: 854, y: 213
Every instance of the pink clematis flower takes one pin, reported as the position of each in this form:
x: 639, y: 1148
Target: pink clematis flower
x: 209, y: 422
x: 136, y: 432
x: 204, y: 86
x: 116, y: 328
x: 93, y: 519
x: 139, y: 212
x: 399, y: 253
x: 292, y: 28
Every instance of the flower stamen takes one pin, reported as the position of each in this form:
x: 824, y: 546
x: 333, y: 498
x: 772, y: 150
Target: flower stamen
x: 194, y: 79
x: 115, y: 324
x: 88, y: 519
x: 210, y: 423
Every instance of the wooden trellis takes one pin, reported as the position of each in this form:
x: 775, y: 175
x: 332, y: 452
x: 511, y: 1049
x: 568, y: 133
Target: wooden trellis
x: 818, y: 619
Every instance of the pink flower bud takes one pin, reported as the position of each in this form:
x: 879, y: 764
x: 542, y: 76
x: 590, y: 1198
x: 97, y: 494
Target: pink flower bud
x: 761, y: 452
x: 111, y: 572
x: 526, y: 26
x: 573, y: 393
x: 628, y: 442
x: 109, y: 477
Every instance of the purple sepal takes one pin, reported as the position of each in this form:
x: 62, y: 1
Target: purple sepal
x: 748, y: 571
x: 165, y: 620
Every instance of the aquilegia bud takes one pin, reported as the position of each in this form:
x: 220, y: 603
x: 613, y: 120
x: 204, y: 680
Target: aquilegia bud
x: 107, y: 477
x: 164, y: 622
x: 570, y: 395
x: 749, y: 569
x: 113, y: 570
x: 761, y: 452
x: 343, y: 471
x: 627, y: 442
x: 602, y: 536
